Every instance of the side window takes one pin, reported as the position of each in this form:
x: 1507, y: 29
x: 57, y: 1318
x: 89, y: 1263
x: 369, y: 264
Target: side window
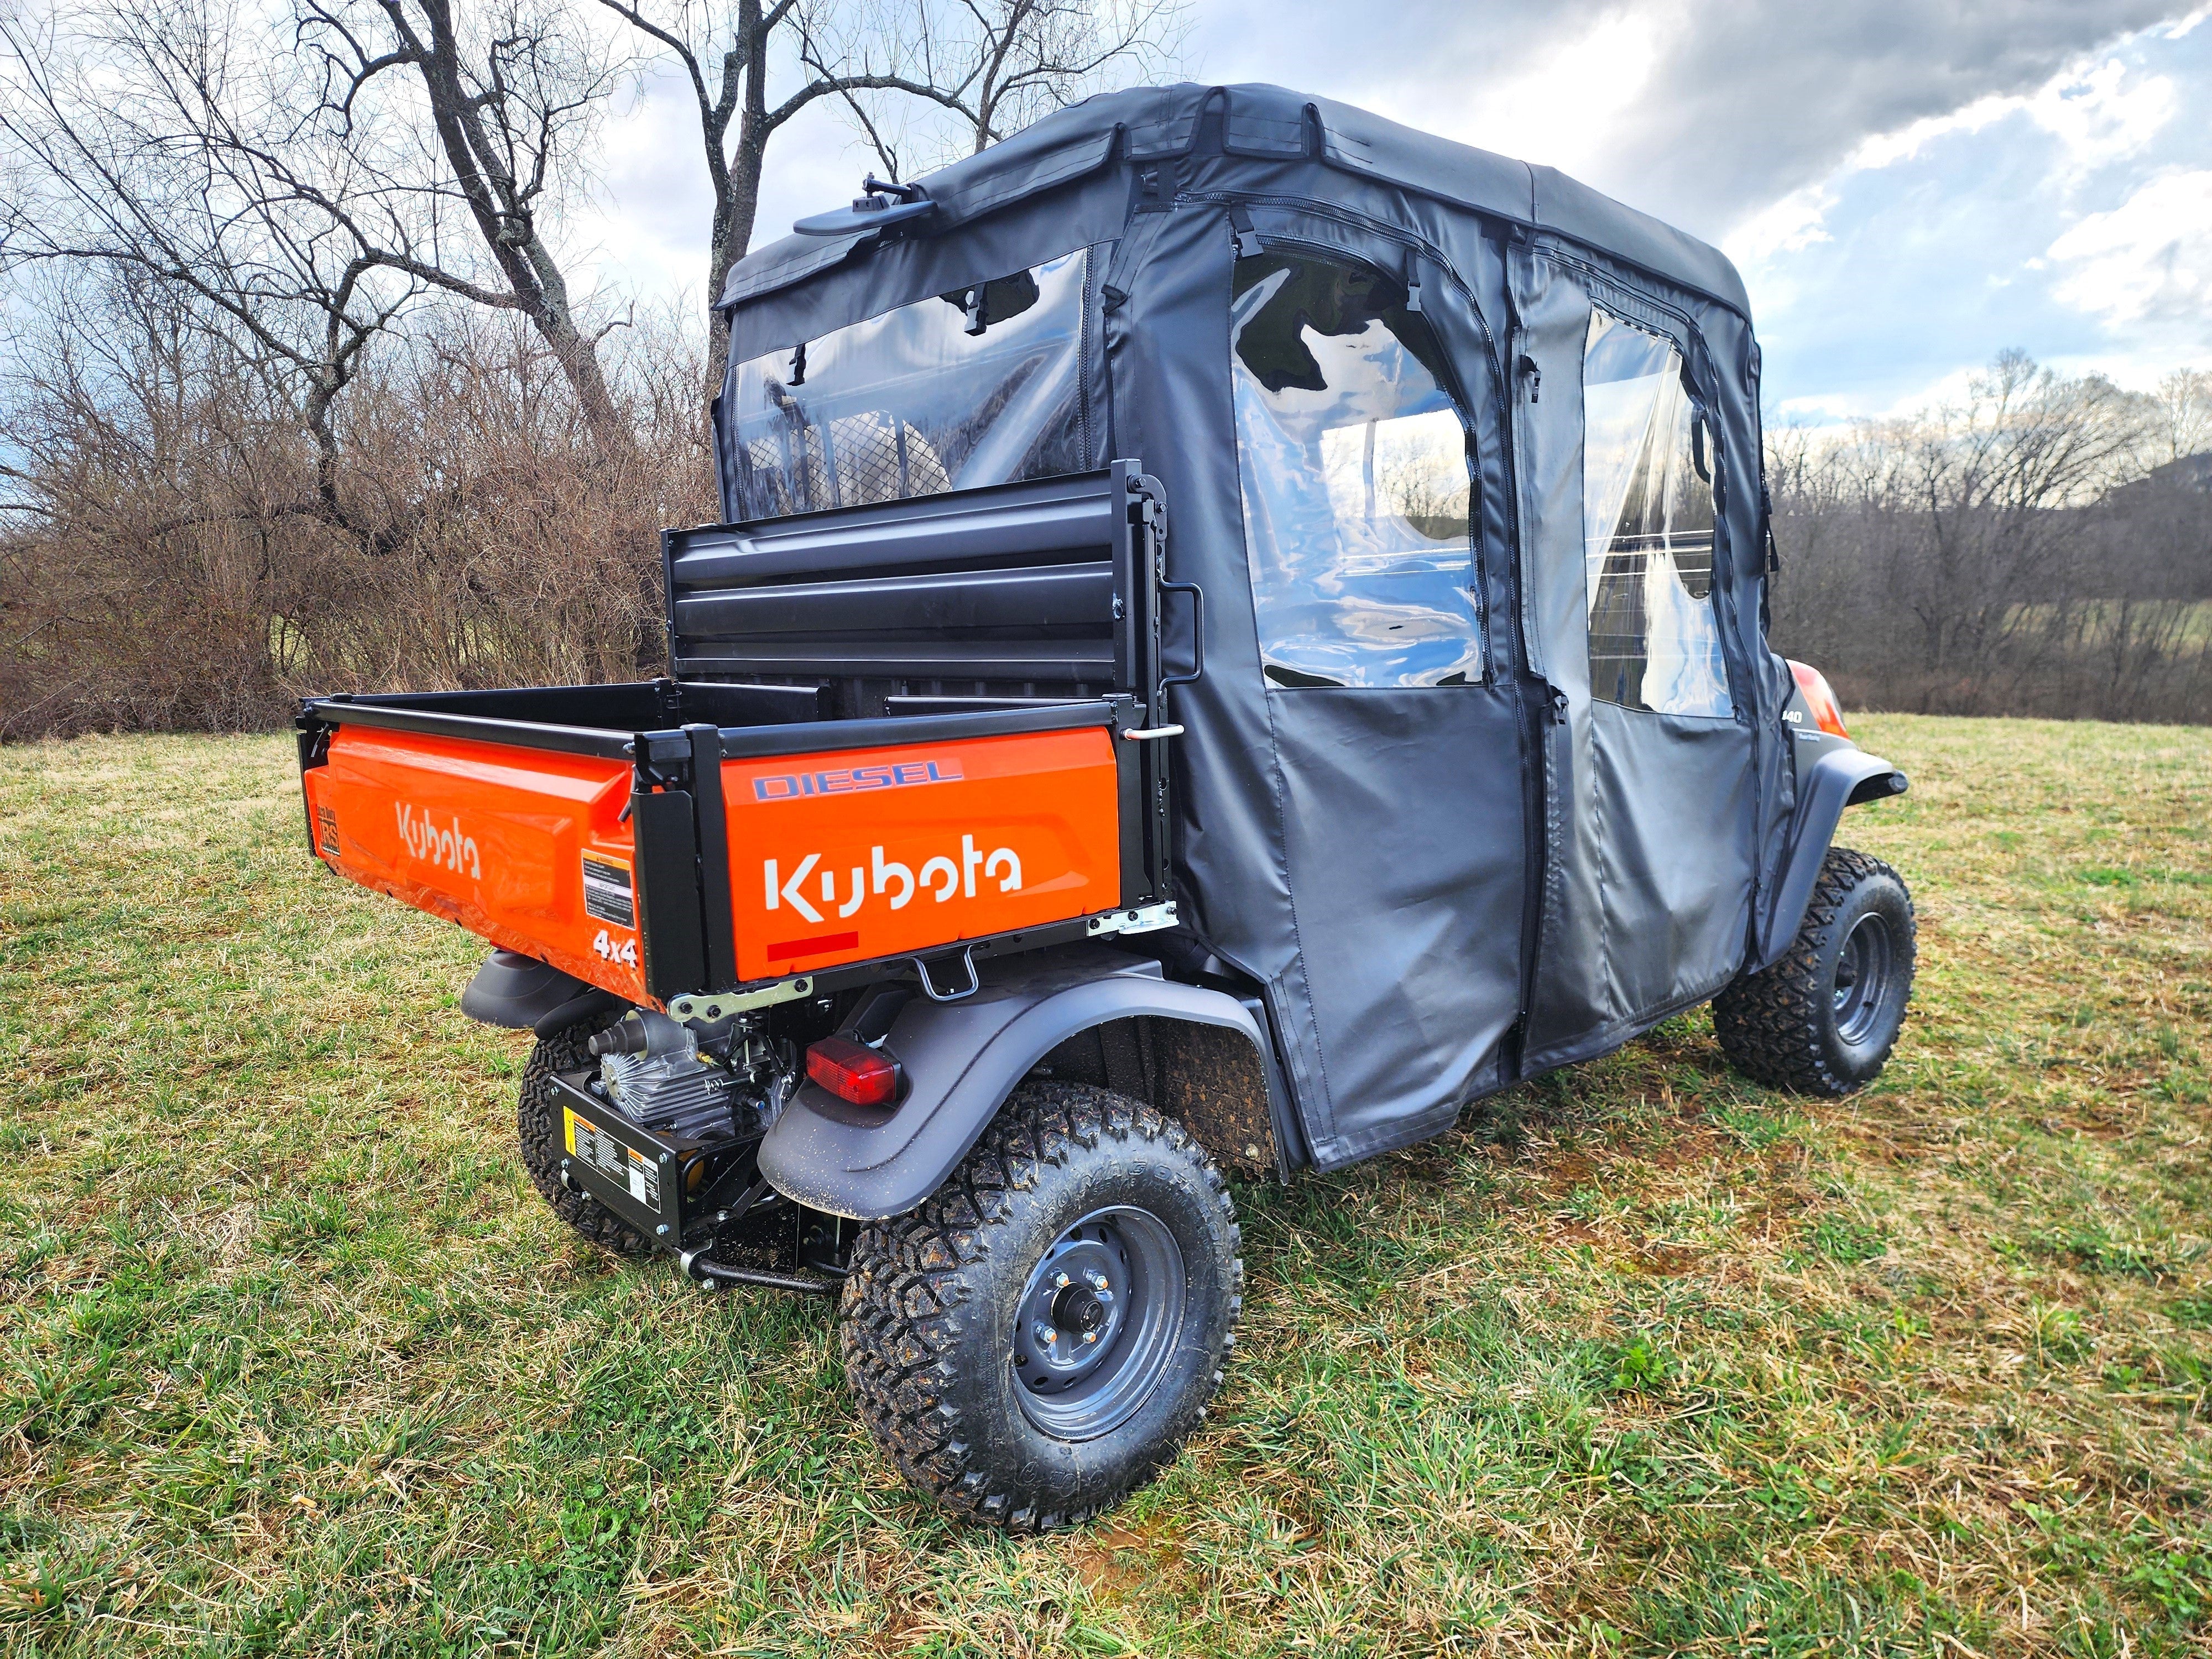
x: 1655, y: 641
x: 1356, y: 476
x: 981, y: 386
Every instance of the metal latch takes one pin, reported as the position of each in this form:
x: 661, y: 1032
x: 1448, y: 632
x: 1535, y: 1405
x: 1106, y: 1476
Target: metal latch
x: 967, y: 959
x: 713, y: 1006
x: 1144, y: 919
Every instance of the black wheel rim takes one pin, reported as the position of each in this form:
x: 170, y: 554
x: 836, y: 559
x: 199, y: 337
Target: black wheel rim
x: 1862, y: 975
x: 1097, y: 1323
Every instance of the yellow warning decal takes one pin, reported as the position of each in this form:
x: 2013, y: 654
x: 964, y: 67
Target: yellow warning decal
x: 625, y: 1166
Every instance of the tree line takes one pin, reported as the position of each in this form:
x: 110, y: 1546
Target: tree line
x: 303, y: 386
x: 2041, y: 544
x: 302, y: 382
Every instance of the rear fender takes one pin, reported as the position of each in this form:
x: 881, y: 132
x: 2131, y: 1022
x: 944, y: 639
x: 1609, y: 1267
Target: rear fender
x: 960, y: 1061
x: 523, y: 993
x: 1843, y: 776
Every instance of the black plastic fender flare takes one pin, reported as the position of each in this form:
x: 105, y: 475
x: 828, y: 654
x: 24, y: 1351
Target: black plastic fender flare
x: 523, y: 993
x: 1842, y: 777
x: 960, y: 1060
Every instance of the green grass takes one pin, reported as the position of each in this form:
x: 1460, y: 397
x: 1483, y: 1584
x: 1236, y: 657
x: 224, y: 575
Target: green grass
x: 1640, y: 1359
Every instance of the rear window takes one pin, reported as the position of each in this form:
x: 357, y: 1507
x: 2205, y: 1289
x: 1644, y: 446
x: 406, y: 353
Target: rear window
x: 981, y: 386
x: 1354, y: 460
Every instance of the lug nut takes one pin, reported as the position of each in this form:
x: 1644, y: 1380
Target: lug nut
x: 1095, y: 1280
x: 1045, y: 1334
x: 1059, y: 1281
x: 1091, y: 1336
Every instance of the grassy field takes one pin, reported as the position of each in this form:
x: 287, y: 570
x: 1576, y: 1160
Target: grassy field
x: 1640, y: 1359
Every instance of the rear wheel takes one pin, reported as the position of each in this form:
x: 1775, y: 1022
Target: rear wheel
x: 539, y: 1128
x: 1038, y: 1338
x: 1824, y: 1018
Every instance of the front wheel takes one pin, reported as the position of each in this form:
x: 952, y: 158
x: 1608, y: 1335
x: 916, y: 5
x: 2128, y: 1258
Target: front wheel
x: 1038, y: 1338
x: 1823, y: 1019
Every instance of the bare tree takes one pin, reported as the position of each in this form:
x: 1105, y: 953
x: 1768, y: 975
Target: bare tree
x: 156, y: 141
x: 928, y: 81
x: 2029, y: 548
x: 511, y: 102
x: 311, y: 191
x: 2184, y: 419
x: 984, y: 66
x: 1976, y: 491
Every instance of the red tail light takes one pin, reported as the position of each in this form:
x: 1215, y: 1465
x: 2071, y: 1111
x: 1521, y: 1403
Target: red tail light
x: 852, y: 1071
x: 1828, y: 713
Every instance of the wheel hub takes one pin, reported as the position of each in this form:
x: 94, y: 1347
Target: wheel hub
x: 1863, y: 973
x: 1097, y: 1322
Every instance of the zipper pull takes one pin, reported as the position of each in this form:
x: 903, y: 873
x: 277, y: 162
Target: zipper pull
x: 1248, y: 239
x: 1533, y: 375
x: 1414, y: 282
x: 1559, y: 706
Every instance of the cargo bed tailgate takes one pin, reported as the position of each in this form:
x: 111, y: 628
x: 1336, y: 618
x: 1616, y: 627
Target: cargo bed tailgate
x: 528, y: 847
x: 653, y: 864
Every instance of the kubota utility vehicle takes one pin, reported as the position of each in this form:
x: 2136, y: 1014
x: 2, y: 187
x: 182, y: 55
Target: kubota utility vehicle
x: 1024, y: 832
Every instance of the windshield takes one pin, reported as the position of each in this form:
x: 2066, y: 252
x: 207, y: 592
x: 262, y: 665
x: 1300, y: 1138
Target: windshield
x: 981, y: 386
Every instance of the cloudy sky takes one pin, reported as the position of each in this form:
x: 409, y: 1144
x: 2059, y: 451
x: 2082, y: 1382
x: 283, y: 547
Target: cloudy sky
x: 1910, y: 186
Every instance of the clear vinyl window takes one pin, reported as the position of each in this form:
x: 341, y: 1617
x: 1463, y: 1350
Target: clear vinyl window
x: 981, y: 386
x: 1655, y: 640
x: 1357, y: 480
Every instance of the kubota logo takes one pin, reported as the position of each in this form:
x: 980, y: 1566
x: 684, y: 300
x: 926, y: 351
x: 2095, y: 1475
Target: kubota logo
x: 447, y: 848
x: 940, y: 877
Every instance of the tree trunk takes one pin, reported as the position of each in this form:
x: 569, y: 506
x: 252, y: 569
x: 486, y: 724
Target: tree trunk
x: 502, y: 215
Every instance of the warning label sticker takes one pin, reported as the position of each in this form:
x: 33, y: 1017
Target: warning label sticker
x: 607, y: 892
x: 326, y: 831
x: 625, y: 1165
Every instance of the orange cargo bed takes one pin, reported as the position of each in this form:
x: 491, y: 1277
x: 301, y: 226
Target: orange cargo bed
x: 741, y: 848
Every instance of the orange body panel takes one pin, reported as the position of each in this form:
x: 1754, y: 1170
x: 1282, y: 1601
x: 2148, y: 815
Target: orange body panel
x: 883, y: 852
x: 492, y: 837
x: 834, y: 857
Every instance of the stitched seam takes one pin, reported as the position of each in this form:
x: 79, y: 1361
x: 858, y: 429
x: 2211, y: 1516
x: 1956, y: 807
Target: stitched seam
x: 1275, y: 756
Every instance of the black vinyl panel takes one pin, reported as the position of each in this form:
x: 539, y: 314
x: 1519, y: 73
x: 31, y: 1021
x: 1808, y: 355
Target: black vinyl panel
x: 1055, y: 597
x: 1072, y: 518
x: 1080, y: 662
x: 1022, y: 586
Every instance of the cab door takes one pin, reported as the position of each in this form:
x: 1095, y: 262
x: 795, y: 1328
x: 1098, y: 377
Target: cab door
x: 1374, y: 506
x: 1625, y: 549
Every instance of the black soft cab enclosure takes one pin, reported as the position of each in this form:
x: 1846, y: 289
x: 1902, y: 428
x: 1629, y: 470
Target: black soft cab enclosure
x: 1298, y: 588
x: 1491, y: 767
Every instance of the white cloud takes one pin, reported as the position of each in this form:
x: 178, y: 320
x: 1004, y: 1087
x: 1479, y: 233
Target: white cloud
x: 1562, y: 105
x: 2151, y: 257
x: 2101, y: 115
x: 1789, y: 226
x: 1886, y: 150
